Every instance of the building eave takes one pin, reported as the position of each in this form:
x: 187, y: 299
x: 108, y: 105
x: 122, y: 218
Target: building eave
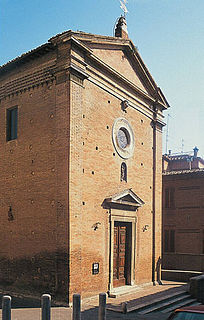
x: 80, y: 39
x: 30, y: 55
x: 184, y: 172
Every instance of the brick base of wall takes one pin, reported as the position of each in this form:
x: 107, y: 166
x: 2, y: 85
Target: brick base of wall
x: 45, y: 272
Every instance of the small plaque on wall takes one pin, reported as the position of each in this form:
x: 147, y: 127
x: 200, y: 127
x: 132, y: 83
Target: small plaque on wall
x: 95, y: 268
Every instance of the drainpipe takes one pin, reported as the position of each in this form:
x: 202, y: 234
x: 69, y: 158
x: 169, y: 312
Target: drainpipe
x: 154, y: 192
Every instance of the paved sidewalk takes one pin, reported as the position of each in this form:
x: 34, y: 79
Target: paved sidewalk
x: 65, y: 314
x: 90, y: 306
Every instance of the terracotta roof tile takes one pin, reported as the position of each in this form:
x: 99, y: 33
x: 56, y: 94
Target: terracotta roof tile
x: 177, y: 172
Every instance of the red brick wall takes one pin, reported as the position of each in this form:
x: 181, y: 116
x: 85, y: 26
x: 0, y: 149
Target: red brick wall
x: 96, y: 164
x: 33, y: 179
x: 187, y: 216
x: 59, y: 170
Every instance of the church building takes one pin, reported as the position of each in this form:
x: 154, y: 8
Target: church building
x: 80, y: 167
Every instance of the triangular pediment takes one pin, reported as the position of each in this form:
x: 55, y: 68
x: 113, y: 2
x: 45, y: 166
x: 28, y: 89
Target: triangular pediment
x: 120, y: 61
x: 123, y: 57
x: 126, y: 199
x: 115, y: 58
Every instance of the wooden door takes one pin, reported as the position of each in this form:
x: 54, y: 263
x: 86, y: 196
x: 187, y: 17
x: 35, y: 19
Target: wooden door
x: 121, y: 254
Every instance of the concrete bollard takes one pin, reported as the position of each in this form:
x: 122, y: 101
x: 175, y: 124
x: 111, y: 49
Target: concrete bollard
x: 46, y: 306
x: 124, y: 307
x: 102, y: 307
x: 201, y: 290
x: 6, y: 308
x: 76, y: 315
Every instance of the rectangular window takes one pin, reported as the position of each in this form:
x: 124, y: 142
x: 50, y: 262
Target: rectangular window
x: 172, y: 241
x: 12, y: 123
x: 169, y: 198
x: 169, y: 240
x: 166, y: 240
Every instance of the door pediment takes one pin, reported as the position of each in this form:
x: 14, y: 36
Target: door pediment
x: 126, y: 199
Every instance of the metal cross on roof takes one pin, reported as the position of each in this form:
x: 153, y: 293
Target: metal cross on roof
x: 123, y: 6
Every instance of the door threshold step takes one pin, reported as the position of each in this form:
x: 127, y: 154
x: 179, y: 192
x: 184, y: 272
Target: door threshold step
x: 128, y: 289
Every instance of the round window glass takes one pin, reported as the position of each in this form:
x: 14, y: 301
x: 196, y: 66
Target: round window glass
x: 123, y: 138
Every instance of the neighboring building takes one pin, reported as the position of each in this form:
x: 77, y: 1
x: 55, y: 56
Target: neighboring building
x: 183, y: 214
x: 80, y: 166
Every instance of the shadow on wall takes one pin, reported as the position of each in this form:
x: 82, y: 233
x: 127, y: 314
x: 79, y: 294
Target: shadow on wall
x: 37, y: 274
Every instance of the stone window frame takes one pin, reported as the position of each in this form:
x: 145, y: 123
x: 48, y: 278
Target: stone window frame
x: 124, y: 216
x: 123, y: 172
x: 127, y: 152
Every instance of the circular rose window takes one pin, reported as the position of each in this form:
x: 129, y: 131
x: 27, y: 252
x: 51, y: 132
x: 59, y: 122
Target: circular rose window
x: 123, y: 138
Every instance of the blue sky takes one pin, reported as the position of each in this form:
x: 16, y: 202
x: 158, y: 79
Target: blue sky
x: 168, y: 33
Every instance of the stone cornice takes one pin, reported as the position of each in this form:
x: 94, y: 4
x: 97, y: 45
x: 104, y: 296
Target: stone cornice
x: 103, y: 66
x: 122, y: 94
x: 125, y: 199
x: 73, y: 68
x: 79, y: 40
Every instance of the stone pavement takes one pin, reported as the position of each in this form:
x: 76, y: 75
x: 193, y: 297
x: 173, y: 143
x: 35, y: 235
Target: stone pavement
x: 65, y: 314
x: 90, y: 306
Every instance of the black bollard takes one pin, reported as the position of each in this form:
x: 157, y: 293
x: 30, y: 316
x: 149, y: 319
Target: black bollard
x: 6, y: 308
x: 76, y: 307
x: 102, y: 307
x: 46, y: 306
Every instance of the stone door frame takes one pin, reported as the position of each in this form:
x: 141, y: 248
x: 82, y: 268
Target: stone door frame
x: 121, y: 216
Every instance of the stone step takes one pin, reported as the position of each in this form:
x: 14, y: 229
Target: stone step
x: 183, y: 299
x: 188, y: 302
x: 196, y: 303
x: 153, y: 301
x: 150, y: 301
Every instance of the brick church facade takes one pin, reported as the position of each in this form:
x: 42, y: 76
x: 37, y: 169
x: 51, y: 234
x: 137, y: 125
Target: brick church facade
x: 80, y: 167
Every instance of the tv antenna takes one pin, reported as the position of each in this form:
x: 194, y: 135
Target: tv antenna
x: 167, y: 131
x: 182, y: 145
x: 123, y: 7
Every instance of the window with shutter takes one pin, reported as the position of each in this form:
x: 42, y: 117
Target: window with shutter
x: 169, y: 198
x: 169, y: 240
